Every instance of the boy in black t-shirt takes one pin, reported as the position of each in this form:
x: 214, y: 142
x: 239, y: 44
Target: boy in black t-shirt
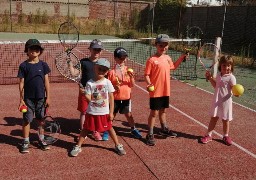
x: 34, y: 88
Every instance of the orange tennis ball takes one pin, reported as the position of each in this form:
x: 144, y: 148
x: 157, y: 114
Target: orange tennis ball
x: 238, y: 90
x: 151, y: 88
x: 23, y: 109
x: 130, y: 70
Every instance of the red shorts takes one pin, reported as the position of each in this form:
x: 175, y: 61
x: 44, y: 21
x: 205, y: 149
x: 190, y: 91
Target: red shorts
x: 98, y: 123
x: 82, y: 103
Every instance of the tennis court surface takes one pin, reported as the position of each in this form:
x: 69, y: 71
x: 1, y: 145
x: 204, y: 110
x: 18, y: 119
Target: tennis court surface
x: 179, y: 158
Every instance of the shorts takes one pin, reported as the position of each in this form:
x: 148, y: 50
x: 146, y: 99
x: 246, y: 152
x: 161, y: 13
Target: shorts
x: 98, y: 123
x: 122, y: 106
x: 159, y: 103
x: 82, y: 103
x: 35, y: 106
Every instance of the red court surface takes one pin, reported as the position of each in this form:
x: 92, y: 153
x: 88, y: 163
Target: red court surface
x: 179, y: 158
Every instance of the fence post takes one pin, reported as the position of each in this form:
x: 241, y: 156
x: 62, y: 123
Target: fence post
x: 215, y: 68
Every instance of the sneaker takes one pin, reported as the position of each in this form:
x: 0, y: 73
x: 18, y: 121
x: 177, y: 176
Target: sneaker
x: 136, y: 133
x: 150, y: 139
x: 206, y: 139
x: 43, y: 145
x: 75, y: 151
x: 24, y: 147
x: 120, y: 150
x: 168, y: 132
x: 227, y: 140
x: 105, y: 136
x: 96, y: 135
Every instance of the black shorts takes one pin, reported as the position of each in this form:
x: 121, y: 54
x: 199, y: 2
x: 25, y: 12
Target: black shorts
x: 159, y: 103
x: 122, y: 106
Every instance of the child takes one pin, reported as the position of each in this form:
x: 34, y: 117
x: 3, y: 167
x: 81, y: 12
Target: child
x: 123, y: 80
x: 34, y: 90
x: 87, y: 66
x: 99, y: 114
x: 157, y: 74
x: 222, y: 101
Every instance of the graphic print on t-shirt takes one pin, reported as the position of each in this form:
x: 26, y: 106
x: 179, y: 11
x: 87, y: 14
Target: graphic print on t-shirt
x: 99, y: 96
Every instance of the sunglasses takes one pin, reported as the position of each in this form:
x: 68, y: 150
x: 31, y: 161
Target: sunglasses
x: 102, y: 69
x: 97, y: 49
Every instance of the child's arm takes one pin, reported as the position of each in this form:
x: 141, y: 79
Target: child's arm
x: 179, y: 61
x: 88, y: 97
x: 47, y: 90
x: 147, y: 79
x: 111, y: 106
x: 21, y: 88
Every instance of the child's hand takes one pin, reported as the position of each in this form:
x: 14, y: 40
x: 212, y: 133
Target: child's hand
x: 131, y: 74
x: 111, y: 116
x: 208, y: 75
x: 47, y: 102
x: 82, y: 90
x: 22, y: 103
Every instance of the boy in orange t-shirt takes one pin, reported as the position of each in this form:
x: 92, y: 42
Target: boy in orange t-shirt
x: 123, y: 81
x: 157, y: 74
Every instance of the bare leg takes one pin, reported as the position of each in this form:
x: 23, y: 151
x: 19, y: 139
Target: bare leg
x: 212, y: 125
x: 25, y: 129
x: 225, y: 127
x: 162, y: 116
x: 82, y: 119
x: 82, y: 136
x: 113, y: 135
x: 151, y: 120
x: 130, y: 119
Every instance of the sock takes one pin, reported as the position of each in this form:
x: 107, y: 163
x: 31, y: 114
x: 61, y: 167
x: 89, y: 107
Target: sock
x: 163, y: 126
x: 41, y: 137
x: 151, y: 131
x: 210, y: 133
x: 225, y: 135
x: 26, y: 139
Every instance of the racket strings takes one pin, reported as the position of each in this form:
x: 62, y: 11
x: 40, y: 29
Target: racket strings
x: 63, y: 62
x: 68, y: 35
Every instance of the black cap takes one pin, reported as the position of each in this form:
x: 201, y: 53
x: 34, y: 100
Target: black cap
x: 32, y: 42
x: 120, y: 52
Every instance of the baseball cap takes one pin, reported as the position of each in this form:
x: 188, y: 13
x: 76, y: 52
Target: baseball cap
x: 96, y: 44
x: 162, y: 38
x: 120, y: 52
x: 32, y: 42
x: 103, y: 62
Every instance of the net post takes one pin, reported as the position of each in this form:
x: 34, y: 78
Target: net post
x: 215, y: 68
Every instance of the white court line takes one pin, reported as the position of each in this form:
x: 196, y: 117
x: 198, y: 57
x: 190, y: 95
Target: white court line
x: 201, y: 124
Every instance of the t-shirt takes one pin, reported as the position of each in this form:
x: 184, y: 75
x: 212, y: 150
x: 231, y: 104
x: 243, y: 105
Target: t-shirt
x: 34, y: 77
x: 222, y: 101
x: 158, y: 69
x: 124, y: 92
x: 99, y: 91
x: 87, y: 67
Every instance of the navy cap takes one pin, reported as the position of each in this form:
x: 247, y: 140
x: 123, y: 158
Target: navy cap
x: 32, y: 42
x: 120, y: 52
x: 96, y: 44
x: 162, y: 38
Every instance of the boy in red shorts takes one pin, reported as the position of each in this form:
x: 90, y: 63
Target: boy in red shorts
x: 157, y: 74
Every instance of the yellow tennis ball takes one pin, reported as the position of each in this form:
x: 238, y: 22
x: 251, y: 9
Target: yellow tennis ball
x: 151, y: 88
x: 238, y: 90
x: 130, y: 70
x: 24, y: 110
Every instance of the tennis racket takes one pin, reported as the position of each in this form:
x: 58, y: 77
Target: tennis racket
x: 68, y: 36
x: 208, y: 56
x: 69, y: 66
x: 51, y: 129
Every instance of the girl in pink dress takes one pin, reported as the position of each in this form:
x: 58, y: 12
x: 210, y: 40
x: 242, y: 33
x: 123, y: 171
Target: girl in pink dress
x: 222, y: 101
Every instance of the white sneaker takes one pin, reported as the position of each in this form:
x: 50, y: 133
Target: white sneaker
x: 75, y: 151
x: 120, y: 150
